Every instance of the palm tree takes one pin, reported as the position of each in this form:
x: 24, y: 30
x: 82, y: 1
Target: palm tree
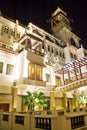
x: 35, y: 99
x: 82, y: 100
x: 29, y: 100
x: 40, y: 99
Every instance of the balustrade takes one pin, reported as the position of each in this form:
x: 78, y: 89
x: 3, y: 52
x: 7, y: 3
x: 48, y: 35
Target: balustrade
x: 43, y: 123
x: 77, y: 122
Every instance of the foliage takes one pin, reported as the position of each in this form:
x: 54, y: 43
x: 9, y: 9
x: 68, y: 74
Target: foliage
x: 82, y: 99
x: 35, y: 99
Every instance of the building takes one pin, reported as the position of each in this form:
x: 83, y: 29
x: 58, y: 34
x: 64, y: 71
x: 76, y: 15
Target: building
x: 32, y: 59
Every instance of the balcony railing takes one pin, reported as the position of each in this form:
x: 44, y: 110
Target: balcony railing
x: 73, y: 79
x: 35, y: 52
x: 73, y: 83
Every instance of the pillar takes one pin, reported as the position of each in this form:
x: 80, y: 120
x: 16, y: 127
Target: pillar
x: 15, y: 90
x: 74, y: 101
x: 52, y: 101
x: 64, y: 101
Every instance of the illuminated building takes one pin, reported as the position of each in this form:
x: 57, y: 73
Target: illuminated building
x: 32, y: 59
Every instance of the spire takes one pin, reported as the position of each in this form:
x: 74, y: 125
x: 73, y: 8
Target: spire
x: 17, y: 22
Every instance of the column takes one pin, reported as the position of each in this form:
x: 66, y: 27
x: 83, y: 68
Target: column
x: 15, y: 90
x: 52, y: 101
x: 74, y: 101
x: 64, y: 101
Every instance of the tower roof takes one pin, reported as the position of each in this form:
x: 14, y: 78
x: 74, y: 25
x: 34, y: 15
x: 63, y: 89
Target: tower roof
x: 58, y: 10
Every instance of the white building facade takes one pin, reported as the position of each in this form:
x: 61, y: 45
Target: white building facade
x: 33, y: 60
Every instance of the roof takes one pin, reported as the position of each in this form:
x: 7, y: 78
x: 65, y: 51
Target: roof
x: 58, y: 10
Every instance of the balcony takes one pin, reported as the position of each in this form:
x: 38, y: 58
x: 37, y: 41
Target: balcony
x: 73, y: 84
x: 74, y: 74
x: 35, y: 57
x: 34, y: 82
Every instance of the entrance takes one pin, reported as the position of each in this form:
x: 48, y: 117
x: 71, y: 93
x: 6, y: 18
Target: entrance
x: 4, y: 107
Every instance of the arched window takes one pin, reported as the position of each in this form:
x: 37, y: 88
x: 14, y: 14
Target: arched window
x: 52, y: 50
x: 42, y: 45
x: 73, y: 42
x: 6, y: 29
x: 56, y: 52
x: 1, y: 67
x: 48, y: 48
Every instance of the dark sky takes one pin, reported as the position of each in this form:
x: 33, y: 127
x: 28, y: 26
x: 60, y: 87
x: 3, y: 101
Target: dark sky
x: 39, y: 11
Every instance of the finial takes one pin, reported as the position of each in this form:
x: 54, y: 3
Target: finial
x: 17, y: 22
x: 81, y: 46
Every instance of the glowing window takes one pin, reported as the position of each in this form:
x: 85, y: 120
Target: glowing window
x: 35, y: 72
x: 38, y: 72
x: 31, y: 71
x: 58, y: 81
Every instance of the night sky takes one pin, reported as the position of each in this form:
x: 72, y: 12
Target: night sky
x: 39, y: 11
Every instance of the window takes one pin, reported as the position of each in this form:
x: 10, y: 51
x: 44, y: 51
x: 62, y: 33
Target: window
x: 47, y: 77
x: 56, y: 52
x: 75, y: 57
x: 3, y: 45
x: 13, y: 32
x: 73, y: 42
x: 31, y: 71
x: 63, y: 55
x: 6, y: 29
x: 1, y: 67
x: 35, y: 71
x: 18, y: 35
x: 58, y: 81
x: 48, y: 48
x: 52, y: 50
x: 9, y: 69
x: 71, y: 54
x: 42, y: 45
x: 11, y: 48
x: 60, y: 53
x: 39, y: 72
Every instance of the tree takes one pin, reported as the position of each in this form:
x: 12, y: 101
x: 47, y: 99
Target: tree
x: 29, y: 100
x: 35, y: 99
x: 82, y: 99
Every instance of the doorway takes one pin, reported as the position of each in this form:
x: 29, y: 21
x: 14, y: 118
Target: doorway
x: 4, y: 107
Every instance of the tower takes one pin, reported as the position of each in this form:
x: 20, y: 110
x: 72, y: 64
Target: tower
x: 60, y: 27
